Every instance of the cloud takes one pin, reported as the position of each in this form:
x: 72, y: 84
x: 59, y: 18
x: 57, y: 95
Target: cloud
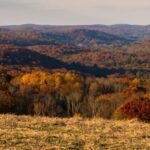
x: 74, y: 11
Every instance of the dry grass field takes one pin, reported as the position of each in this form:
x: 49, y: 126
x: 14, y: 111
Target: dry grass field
x: 43, y: 133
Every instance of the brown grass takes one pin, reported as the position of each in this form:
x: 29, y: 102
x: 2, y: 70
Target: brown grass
x: 43, y: 133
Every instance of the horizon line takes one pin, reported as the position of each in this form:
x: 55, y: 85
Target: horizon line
x: 32, y: 24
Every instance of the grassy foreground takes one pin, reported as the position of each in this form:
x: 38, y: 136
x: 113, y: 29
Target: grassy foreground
x: 43, y: 133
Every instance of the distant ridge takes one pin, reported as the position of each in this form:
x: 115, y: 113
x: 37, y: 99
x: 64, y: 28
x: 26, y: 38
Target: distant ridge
x: 137, y: 31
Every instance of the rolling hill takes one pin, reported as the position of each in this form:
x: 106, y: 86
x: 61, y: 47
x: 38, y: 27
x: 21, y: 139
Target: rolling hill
x: 91, y: 49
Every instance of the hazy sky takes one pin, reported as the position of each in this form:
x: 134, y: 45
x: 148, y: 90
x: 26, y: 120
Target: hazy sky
x: 60, y: 12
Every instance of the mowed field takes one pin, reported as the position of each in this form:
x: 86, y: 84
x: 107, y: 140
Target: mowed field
x: 43, y: 133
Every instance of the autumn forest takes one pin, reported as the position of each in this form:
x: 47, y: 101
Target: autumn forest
x: 90, y: 71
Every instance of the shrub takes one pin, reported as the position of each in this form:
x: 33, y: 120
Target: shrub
x: 137, y: 108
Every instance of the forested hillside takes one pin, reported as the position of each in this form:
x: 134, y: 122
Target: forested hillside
x: 63, y: 71
x: 66, y: 93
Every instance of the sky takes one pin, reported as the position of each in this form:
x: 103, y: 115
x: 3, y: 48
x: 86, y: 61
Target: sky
x: 74, y: 12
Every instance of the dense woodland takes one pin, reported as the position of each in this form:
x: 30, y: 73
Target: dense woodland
x: 66, y: 94
x: 91, y: 71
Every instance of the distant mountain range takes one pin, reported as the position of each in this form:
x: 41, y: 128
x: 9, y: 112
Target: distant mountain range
x: 25, y: 35
x: 94, y: 49
x: 118, y: 29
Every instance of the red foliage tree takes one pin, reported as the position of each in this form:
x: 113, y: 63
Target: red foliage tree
x: 137, y: 108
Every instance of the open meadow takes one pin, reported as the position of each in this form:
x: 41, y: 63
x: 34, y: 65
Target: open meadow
x: 44, y: 133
